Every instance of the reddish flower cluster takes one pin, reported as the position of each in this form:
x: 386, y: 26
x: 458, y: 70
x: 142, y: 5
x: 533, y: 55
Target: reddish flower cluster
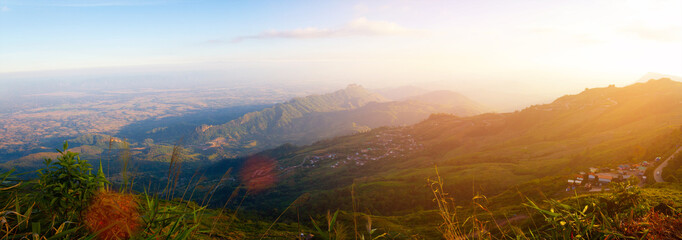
x: 113, y: 215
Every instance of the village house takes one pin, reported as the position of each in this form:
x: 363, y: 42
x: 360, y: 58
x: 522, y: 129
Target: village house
x: 571, y: 181
x: 579, y: 177
x: 603, y: 175
x: 607, y: 177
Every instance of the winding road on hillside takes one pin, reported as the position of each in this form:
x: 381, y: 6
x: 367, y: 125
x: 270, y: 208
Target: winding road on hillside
x: 659, y: 169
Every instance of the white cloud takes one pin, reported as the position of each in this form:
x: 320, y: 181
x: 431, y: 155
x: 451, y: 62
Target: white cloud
x: 357, y: 27
x: 4, y: 9
x: 669, y: 34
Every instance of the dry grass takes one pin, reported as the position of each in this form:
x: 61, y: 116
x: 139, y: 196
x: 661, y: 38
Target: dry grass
x: 450, y: 227
x: 656, y: 225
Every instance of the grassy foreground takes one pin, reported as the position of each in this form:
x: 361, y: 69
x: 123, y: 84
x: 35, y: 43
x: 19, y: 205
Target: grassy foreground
x: 69, y: 201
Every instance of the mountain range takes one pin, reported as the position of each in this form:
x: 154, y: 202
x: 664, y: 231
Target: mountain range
x: 357, y: 150
x: 652, y: 75
x: 308, y: 119
x: 497, y: 154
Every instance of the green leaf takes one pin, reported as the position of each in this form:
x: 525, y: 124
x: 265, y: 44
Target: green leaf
x: 62, y: 234
x: 319, y: 231
x: 35, y: 228
x: 331, y: 224
x: 172, y: 230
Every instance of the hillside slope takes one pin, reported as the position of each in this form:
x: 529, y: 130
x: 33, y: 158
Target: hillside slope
x: 306, y: 120
x: 488, y: 153
x: 256, y: 129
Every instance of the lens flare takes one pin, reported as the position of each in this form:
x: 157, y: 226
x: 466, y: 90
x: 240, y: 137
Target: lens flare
x: 258, y: 173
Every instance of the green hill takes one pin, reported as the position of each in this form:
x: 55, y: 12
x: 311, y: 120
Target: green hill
x: 305, y: 120
x: 263, y: 129
x: 531, y: 150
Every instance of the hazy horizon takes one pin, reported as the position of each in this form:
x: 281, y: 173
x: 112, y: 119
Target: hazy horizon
x: 505, y: 96
x: 506, y: 54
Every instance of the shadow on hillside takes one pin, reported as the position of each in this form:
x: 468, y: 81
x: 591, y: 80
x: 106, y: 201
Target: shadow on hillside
x: 171, y: 129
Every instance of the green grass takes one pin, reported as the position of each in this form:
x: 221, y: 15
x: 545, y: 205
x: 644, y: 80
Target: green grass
x: 24, y: 214
x: 480, y: 217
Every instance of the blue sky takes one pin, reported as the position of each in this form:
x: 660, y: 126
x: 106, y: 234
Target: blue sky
x: 539, y: 47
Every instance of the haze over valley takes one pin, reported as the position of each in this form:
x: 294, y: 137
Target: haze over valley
x: 333, y: 120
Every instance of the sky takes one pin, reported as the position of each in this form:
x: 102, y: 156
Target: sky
x: 510, y: 49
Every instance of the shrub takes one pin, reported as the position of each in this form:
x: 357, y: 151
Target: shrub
x: 66, y: 186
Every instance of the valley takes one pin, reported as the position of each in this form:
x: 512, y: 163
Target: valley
x: 489, y: 154
x: 356, y: 141
x: 217, y: 124
x: 384, y: 169
x: 340, y: 120
x: 109, y: 112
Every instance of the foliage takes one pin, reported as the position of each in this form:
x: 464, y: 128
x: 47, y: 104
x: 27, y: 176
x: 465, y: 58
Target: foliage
x: 450, y: 228
x: 66, y: 186
x: 654, y: 225
x: 596, y: 217
x: 371, y: 231
x: 172, y: 221
x: 20, y: 217
x: 69, y: 202
x: 333, y: 230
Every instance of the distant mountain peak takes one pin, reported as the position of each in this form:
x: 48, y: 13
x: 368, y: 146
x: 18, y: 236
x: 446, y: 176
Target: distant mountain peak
x: 654, y: 76
x: 359, y: 90
x: 354, y: 86
x: 276, y: 124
